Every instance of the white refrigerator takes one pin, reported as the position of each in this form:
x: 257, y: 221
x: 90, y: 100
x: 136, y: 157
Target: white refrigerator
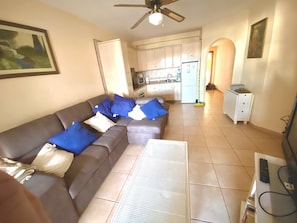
x: 189, y: 73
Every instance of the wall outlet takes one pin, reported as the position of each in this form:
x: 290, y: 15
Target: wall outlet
x: 289, y: 186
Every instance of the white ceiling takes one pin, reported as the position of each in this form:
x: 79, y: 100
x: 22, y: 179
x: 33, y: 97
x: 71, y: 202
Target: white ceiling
x: 120, y: 19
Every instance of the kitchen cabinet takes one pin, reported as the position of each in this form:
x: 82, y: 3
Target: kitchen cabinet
x: 114, y: 63
x: 142, y: 60
x: 170, y: 91
x: 155, y: 58
x: 140, y: 92
x: 176, y: 57
x: 172, y: 56
x: 168, y: 57
x: 190, y: 50
x: 238, y: 106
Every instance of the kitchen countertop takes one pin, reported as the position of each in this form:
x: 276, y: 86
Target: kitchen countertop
x: 163, y: 82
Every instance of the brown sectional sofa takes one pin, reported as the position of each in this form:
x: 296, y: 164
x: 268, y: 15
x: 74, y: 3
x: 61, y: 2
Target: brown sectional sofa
x: 66, y: 198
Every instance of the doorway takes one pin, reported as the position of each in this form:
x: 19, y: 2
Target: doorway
x: 220, y: 64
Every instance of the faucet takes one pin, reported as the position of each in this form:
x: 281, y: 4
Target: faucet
x: 169, y: 77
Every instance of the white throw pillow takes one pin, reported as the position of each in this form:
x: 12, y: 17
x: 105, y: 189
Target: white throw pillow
x: 53, y: 160
x: 136, y: 113
x: 100, y: 122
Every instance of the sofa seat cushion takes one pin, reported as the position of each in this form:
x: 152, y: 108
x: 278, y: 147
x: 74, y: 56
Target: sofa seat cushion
x: 53, y: 193
x: 124, y: 121
x: 83, y: 168
x: 145, y: 126
x: 112, y: 137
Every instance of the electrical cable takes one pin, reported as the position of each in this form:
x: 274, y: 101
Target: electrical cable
x: 273, y: 192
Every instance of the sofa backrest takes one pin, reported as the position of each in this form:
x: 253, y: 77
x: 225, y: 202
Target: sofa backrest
x: 21, y: 140
x: 77, y: 112
x: 142, y: 101
x: 96, y: 100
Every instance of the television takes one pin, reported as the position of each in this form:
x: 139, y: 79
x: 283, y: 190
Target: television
x: 289, y: 146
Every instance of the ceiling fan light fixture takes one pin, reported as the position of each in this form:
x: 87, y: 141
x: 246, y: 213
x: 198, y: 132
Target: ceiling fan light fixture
x: 156, y: 18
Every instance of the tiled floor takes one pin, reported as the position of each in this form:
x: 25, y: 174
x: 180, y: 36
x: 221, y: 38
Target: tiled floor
x: 221, y: 162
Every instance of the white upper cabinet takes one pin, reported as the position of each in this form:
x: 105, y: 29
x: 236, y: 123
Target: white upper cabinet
x: 172, y: 56
x: 190, y: 50
x: 167, y: 51
x: 142, y: 60
x: 155, y: 58
x: 176, y: 56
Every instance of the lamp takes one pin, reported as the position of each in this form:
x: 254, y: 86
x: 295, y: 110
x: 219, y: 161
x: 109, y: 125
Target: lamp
x: 156, y: 18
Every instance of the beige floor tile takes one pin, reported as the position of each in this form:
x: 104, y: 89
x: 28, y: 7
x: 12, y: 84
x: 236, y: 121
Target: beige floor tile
x: 175, y: 129
x: 195, y: 140
x: 112, y: 186
x: 134, y: 150
x: 198, y: 154
x: 218, y: 141
x: 203, y: 174
x: 232, y: 177
x: 250, y: 170
x: 173, y: 137
x: 191, y: 122
x: 207, y: 204
x: 223, y: 156
x: 233, y: 200
x: 97, y: 211
x: 124, y: 164
x: 232, y: 131
x: 193, y: 130
x: 246, y: 157
x: 212, y: 131
x: 242, y: 142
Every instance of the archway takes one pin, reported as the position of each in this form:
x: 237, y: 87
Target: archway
x: 220, y: 64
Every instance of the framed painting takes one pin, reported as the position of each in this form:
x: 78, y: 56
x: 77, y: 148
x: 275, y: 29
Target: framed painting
x: 25, y: 51
x: 257, y: 38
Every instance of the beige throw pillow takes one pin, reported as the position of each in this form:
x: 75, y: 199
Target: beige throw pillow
x: 19, y: 171
x: 100, y: 122
x: 53, y: 160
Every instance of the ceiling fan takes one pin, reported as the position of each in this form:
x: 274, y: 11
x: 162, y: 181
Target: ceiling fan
x: 156, y: 12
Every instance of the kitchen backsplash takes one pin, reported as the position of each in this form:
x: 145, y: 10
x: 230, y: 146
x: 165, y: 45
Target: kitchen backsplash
x: 170, y: 73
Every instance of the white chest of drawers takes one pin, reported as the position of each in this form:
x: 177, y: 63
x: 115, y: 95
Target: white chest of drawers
x: 238, y: 106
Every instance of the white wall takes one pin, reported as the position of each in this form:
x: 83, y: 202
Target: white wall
x: 273, y: 78
x: 223, y: 70
x: 235, y: 28
x: 26, y: 98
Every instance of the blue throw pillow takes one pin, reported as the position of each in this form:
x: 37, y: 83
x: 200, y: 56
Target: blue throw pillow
x: 153, y: 109
x: 74, y: 139
x: 122, y: 106
x: 104, y: 107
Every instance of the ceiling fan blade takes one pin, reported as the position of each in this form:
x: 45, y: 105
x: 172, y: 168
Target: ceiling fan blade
x: 140, y: 20
x: 167, y: 2
x: 129, y: 5
x: 173, y: 15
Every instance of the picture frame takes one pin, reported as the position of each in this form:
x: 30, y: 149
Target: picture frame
x: 257, y: 39
x: 25, y: 51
